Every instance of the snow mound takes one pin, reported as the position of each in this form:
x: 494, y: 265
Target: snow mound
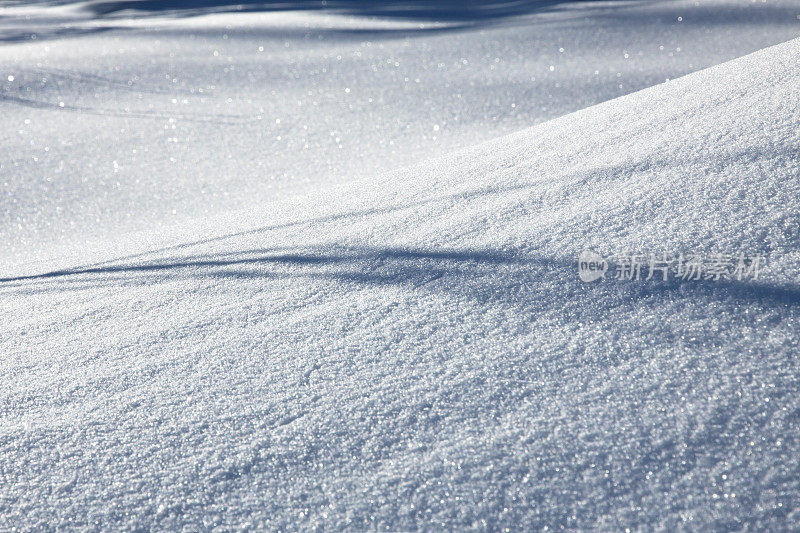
x: 417, y: 350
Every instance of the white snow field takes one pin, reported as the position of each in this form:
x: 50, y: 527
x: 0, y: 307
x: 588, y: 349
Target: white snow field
x: 392, y: 335
x: 130, y: 123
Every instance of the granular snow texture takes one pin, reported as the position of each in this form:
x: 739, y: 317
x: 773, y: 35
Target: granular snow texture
x: 414, y: 349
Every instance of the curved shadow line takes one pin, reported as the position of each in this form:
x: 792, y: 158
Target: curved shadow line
x: 514, y: 276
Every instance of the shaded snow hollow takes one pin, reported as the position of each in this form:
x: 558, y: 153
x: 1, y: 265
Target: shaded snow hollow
x: 417, y: 351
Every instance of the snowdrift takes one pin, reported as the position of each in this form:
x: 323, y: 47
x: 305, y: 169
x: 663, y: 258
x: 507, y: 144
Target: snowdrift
x: 125, y: 123
x: 417, y: 350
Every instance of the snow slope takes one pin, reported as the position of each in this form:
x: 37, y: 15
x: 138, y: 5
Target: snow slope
x: 416, y: 350
x: 124, y: 124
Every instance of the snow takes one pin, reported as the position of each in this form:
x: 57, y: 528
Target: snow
x: 397, y: 338
x: 117, y: 125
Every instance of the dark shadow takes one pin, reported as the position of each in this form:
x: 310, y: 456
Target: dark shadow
x: 456, y: 15
x: 469, y: 12
x: 258, y: 257
x: 507, y: 277
x: 421, y: 10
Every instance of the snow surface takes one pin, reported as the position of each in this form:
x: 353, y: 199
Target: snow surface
x: 157, y: 130
x: 409, y: 349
